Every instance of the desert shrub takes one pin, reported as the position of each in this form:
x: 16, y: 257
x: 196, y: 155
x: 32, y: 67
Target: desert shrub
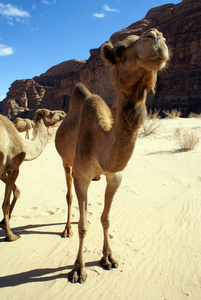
x: 187, y: 140
x: 194, y: 115
x: 173, y: 113
x: 151, y: 124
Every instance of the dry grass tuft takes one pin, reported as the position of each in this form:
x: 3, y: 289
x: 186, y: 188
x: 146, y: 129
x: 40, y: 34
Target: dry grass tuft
x: 194, y: 115
x: 185, y: 139
x: 151, y: 124
x: 173, y: 113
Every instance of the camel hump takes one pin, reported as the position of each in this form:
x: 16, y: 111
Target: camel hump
x: 97, y: 110
x: 79, y: 95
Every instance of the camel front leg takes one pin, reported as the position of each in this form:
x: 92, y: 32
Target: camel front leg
x: 7, y: 210
x: 27, y: 135
x: 69, y: 198
x: 113, y: 182
x: 78, y: 273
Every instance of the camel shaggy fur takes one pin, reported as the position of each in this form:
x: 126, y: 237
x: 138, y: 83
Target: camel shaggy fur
x: 93, y: 139
x: 14, y: 150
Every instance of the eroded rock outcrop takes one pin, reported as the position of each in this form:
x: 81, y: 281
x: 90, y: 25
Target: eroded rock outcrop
x: 178, y: 87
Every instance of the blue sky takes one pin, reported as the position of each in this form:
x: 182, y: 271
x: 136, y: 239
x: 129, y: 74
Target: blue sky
x: 38, y: 34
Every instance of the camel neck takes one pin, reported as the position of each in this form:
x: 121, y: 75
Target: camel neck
x: 36, y: 145
x: 130, y: 110
x: 127, y: 121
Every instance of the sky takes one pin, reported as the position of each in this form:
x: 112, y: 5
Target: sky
x: 38, y: 34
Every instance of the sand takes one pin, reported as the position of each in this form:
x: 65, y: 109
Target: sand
x: 155, y: 227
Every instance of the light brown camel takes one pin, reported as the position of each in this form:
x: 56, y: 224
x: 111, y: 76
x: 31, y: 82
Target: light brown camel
x: 94, y: 140
x: 14, y: 150
x: 24, y: 125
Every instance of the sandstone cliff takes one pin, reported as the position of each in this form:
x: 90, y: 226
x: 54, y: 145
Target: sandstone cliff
x: 178, y: 87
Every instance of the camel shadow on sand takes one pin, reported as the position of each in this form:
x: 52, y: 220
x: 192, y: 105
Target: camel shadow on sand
x: 29, y: 229
x: 168, y: 151
x: 39, y: 275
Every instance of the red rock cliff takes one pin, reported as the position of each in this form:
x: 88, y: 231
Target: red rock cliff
x: 178, y: 87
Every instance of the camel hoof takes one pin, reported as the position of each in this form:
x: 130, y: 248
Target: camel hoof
x: 115, y: 265
x: 67, y: 233
x: 109, y: 263
x: 75, y: 278
x: 78, y: 276
x: 13, y: 237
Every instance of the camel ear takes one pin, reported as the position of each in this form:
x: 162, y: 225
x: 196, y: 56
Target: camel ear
x: 38, y: 115
x: 121, y: 53
x: 107, y: 51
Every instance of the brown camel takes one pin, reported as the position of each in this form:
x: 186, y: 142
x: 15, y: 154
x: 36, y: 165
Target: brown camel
x: 14, y: 150
x: 24, y: 125
x: 94, y: 140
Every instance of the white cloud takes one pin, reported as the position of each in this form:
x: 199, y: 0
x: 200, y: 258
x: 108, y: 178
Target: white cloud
x: 2, y: 97
x: 106, y: 8
x: 47, y: 2
x: 9, y: 11
x: 99, y: 15
x: 34, y: 28
x: 5, y: 50
x: 10, y: 23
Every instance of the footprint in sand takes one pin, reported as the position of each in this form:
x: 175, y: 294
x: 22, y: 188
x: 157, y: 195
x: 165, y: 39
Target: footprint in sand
x: 33, y: 209
x: 18, y: 218
x: 47, y: 213
x: 95, y: 204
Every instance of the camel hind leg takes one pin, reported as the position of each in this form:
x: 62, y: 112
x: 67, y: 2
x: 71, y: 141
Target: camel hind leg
x: 113, y: 182
x: 16, y: 195
x: 69, y: 198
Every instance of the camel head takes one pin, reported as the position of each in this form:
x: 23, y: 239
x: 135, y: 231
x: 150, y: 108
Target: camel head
x: 137, y: 57
x: 50, y: 117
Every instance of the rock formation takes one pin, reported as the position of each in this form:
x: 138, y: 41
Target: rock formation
x: 178, y: 87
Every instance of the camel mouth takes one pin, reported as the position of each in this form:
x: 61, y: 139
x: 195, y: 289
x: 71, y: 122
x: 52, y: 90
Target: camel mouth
x: 159, y: 63
x: 153, y: 64
x: 159, y: 60
x: 160, y: 56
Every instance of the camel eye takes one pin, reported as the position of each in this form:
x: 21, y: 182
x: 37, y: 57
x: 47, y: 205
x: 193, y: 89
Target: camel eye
x: 150, y: 37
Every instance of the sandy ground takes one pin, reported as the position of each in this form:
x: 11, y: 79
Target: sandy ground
x: 155, y: 227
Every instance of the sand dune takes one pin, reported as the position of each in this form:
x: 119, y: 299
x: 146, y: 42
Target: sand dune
x: 155, y: 227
